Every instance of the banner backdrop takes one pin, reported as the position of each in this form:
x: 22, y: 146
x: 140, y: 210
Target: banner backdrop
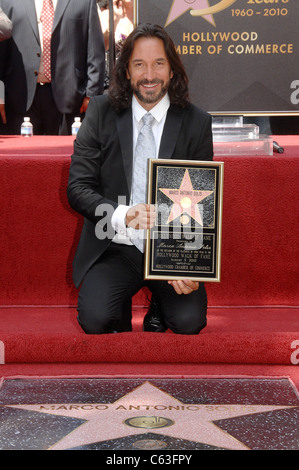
x: 241, y: 56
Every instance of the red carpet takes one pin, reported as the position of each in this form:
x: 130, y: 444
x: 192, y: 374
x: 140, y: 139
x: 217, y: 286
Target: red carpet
x: 39, y: 232
x: 233, y: 335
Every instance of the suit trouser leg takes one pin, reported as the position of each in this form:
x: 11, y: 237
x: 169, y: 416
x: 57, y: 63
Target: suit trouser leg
x: 104, y: 303
x: 183, y: 314
x: 67, y: 121
x: 44, y: 114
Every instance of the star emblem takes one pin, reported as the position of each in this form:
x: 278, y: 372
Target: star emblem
x: 179, y: 7
x: 185, y: 201
x: 145, y: 409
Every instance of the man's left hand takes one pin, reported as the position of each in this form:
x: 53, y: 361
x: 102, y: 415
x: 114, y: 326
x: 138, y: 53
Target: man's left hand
x: 184, y: 287
x: 84, y: 105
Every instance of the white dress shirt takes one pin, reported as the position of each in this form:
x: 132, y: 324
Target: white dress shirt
x: 125, y: 234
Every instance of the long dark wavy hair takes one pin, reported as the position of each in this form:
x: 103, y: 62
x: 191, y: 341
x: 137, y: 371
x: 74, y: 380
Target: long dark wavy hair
x: 120, y: 92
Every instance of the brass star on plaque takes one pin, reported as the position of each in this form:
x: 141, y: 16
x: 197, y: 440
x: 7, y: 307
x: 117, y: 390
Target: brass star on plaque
x: 185, y: 200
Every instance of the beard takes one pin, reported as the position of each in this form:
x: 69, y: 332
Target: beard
x: 150, y: 97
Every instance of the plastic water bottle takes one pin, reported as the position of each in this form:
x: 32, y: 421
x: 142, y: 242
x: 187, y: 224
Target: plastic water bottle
x: 76, y: 125
x: 27, y: 128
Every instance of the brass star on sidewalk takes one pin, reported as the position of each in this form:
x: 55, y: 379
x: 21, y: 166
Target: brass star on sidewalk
x: 185, y: 200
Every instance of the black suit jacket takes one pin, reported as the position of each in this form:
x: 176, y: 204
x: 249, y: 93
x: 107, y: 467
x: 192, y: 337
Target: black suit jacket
x: 101, y: 169
x: 77, y: 54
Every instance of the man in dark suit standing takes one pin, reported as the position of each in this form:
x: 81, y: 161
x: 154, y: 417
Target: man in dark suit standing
x: 149, y: 79
x: 53, y: 63
x: 5, y: 33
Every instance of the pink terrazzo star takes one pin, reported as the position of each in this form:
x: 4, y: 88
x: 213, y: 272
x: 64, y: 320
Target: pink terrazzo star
x: 149, y: 409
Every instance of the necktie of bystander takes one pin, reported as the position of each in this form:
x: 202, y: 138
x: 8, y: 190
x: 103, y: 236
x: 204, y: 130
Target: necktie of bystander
x: 47, y: 17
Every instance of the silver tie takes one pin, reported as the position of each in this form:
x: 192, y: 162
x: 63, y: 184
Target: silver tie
x: 145, y: 149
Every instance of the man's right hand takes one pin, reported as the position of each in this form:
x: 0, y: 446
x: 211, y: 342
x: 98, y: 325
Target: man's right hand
x: 3, y: 114
x: 141, y: 216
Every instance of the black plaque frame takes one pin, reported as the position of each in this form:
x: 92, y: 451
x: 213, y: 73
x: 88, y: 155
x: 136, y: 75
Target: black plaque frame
x: 185, y: 241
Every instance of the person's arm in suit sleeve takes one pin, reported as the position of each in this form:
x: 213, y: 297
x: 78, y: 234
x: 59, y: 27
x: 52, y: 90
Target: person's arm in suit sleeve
x: 84, y: 191
x: 95, y: 57
x: 5, y: 26
x: 206, y: 151
x: 201, y: 141
x: 5, y: 33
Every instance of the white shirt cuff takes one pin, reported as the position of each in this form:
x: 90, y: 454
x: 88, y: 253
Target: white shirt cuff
x: 118, y: 220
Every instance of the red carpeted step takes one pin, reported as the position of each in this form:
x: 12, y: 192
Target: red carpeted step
x: 240, y: 335
x: 245, y: 348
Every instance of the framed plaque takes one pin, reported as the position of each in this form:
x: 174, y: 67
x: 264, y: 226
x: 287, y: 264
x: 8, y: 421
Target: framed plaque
x: 185, y: 241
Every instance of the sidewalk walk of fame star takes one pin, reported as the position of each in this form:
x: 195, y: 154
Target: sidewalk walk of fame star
x: 185, y: 200
x: 147, y: 409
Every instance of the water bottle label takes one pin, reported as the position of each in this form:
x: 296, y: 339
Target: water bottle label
x: 75, y: 130
x: 26, y: 131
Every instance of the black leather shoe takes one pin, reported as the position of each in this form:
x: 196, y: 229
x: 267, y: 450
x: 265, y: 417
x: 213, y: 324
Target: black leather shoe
x: 152, y: 320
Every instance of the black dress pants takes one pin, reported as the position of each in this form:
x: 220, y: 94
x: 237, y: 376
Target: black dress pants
x: 105, y: 297
x: 44, y: 115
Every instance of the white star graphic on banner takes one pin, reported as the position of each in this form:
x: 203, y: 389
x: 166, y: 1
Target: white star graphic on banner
x: 179, y: 7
